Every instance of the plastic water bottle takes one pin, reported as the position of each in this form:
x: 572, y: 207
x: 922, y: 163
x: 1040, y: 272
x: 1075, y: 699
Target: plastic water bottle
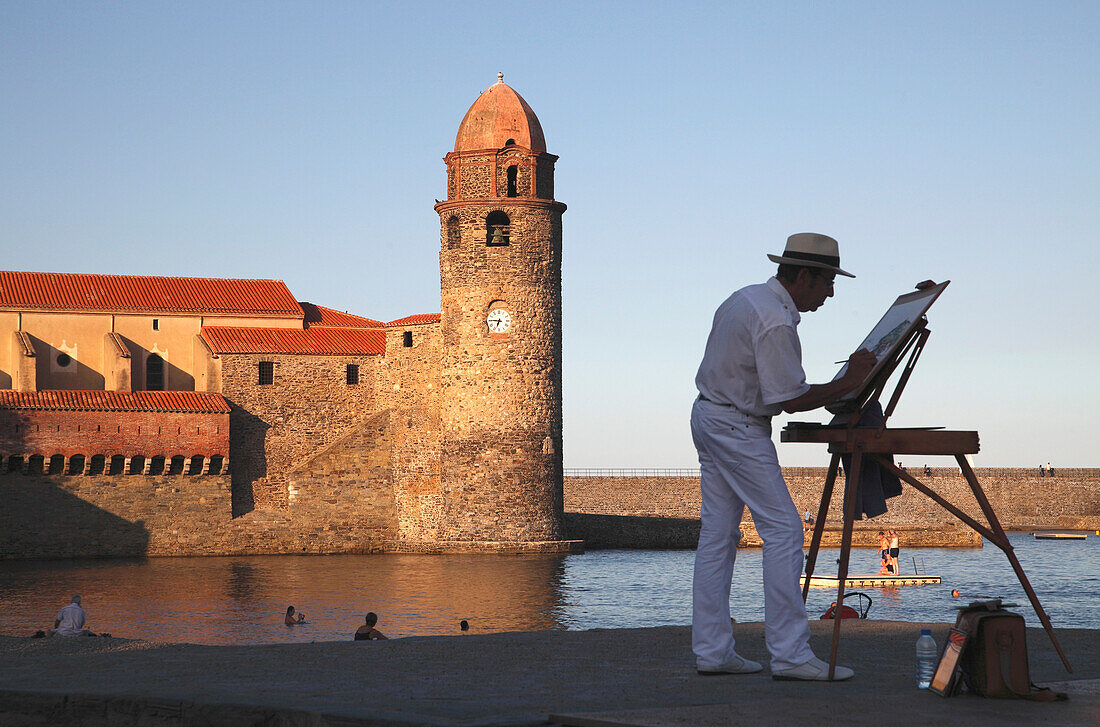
x: 927, y: 656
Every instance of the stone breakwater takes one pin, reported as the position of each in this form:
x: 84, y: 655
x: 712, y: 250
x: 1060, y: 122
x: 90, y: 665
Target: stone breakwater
x: 663, y: 512
x: 83, y: 516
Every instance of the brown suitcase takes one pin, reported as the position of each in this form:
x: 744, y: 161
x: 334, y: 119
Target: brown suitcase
x: 994, y: 659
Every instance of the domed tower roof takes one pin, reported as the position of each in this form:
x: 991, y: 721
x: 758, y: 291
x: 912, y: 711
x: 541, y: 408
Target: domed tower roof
x: 499, y: 115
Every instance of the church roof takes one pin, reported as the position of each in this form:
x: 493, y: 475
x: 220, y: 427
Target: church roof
x: 318, y: 315
x: 499, y: 115
x: 191, y: 402
x: 318, y: 340
x: 415, y: 320
x: 126, y: 293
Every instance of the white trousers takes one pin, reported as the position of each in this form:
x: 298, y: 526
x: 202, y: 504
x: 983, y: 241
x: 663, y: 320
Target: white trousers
x: 739, y: 467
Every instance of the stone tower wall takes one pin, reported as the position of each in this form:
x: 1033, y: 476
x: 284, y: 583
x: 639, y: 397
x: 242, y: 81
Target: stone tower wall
x: 501, y: 404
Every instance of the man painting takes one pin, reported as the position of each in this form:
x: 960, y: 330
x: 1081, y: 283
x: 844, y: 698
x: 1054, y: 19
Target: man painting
x: 751, y: 371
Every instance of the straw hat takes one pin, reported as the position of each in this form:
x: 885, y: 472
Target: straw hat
x: 812, y: 250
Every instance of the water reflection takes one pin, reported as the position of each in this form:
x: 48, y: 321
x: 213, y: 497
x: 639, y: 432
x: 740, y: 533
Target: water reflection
x: 242, y: 600
x: 243, y: 583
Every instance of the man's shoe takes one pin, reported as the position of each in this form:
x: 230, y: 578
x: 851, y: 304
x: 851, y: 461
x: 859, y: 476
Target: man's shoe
x: 814, y: 670
x: 737, y: 665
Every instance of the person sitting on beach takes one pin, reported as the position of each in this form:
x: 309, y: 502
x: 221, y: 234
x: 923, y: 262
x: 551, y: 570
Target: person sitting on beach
x: 293, y: 619
x: 367, y: 632
x: 70, y: 620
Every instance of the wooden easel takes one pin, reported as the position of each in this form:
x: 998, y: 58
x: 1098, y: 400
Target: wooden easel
x: 879, y: 444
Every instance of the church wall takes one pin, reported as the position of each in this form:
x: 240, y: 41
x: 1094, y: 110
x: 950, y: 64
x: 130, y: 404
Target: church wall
x: 412, y: 393
x: 343, y: 498
x: 75, y: 335
x: 93, y: 366
x: 11, y: 352
x: 275, y: 428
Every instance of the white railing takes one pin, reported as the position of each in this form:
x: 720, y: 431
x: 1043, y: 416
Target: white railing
x: 632, y: 472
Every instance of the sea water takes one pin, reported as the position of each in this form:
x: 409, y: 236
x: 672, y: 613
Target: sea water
x: 241, y: 600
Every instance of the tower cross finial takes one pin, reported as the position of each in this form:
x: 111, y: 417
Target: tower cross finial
x: 500, y: 77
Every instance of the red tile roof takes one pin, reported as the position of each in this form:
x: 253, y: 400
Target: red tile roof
x: 318, y: 315
x: 165, y: 401
x: 84, y: 291
x: 416, y: 320
x: 316, y: 340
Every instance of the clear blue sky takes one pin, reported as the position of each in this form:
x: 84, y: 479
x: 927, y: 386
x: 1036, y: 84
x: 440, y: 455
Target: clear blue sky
x: 304, y: 141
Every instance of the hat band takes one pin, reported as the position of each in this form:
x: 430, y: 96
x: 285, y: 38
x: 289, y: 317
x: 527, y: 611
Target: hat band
x: 832, y: 260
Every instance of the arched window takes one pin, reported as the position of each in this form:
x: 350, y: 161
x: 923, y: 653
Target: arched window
x: 454, y: 233
x: 98, y: 465
x: 513, y: 173
x: 77, y: 464
x: 154, y: 373
x: 497, y: 229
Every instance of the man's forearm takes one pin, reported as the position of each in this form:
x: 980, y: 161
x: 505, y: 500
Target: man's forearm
x: 860, y: 364
x: 819, y: 395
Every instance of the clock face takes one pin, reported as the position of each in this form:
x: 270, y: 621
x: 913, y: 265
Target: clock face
x: 499, y: 321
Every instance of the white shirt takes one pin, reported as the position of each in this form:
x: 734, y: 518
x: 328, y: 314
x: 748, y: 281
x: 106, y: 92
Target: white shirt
x: 753, y: 359
x: 72, y: 620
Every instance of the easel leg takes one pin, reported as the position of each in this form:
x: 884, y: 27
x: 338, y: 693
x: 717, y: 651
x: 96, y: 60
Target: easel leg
x: 819, y: 524
x: 845, y: 551
x: 1006, y: 547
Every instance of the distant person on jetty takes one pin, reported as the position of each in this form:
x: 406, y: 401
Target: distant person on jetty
x: 884, y: 554
x: 895, y: 551
x: 293, y: 619
x: 70, y: 620
x: 367, y: 632
x: 751, y: 371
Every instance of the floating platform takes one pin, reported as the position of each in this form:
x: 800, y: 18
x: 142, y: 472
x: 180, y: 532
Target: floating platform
x: 875, y: 581
x: 1059, y: 535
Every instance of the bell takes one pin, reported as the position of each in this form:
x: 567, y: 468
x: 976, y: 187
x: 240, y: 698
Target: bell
x: 498, y: 237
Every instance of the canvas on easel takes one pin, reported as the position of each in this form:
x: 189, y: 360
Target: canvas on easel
x: 892, y: 332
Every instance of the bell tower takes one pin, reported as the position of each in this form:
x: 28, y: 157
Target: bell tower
x: 500, y: 275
